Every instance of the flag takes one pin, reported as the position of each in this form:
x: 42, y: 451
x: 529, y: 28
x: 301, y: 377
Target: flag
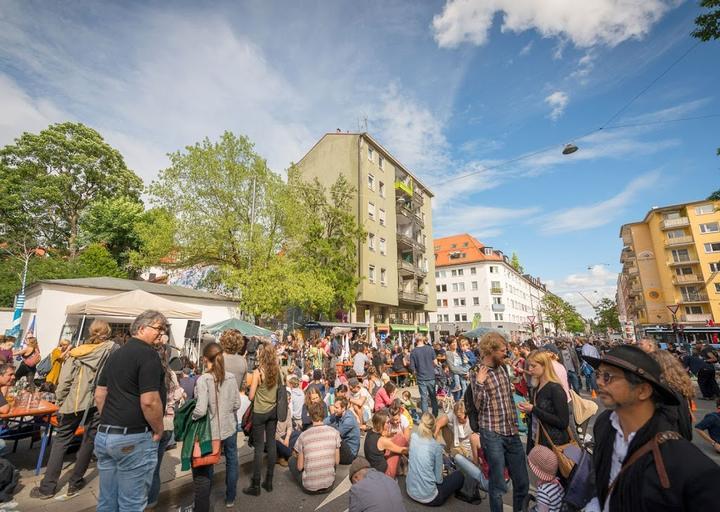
x: 17, y: 317
x: 476, y: 321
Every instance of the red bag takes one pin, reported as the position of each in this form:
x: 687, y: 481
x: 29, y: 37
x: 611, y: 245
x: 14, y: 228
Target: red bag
x: 33, y: 359
x: 212, y: 458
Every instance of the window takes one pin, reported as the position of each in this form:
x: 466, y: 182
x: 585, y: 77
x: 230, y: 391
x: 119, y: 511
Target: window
x: 371, y: 273
x: 437, y: 287
x: 454, y: 287
x: 717, y: 287
x: 453, y: 272
x: 473, y: 285
x: 371, y: 211
x: 693, y: 310
x: 704, y: 209
x: 371, y: 152
x: 463, y: 317
x: 457, y: 318
x: 371, y: 182
x: 714, y: 267
x: 444, y: 288
x: 381, y: 216
x: 446, y: 318
x: 381, y: 189
x: 676, y: 233
x: 499, y: 317
x: 473, y: 271
x: 684, y: 271
x: 462, y: 302
x: 381, y: 161
x: 445, y: 303
x: 476, y: 301
x: 712, y: 247
x: 462, y: 287
x: 498, y: 300
x: 680, y: 255
x: 443, y: 273
x: 456, y: 302
x: 383, y: 276
x: 460, y: 271
x: 710, y: 227
x: 493, y: 269
x: 495, y: 285
x: 437, y: 274
x: 371, y: 241
x: 383, y: 247
x: 439, y: 303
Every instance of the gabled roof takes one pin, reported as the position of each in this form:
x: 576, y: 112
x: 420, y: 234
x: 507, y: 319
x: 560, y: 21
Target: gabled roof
x: 126, y: 285
x: 467, y: 248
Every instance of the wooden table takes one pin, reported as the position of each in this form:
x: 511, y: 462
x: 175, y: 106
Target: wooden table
x: 44, y: 409
x: 340, y: 367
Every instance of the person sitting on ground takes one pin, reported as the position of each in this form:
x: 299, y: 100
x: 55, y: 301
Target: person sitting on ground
x: 410, y: 406
x: 398, y: 422
x: 317, y: 383
x: 382, y: 449
x: 361, y: 401
x: 316, y: 453
x: 285, y: 436
x: 384, y: 396
x: 544, y: 464
x: 187, y: 382
x: 457, y: 434
x: 312, y: 395
x: 373, y: 381
x: 297, y: 401
x: 372, y: 491
x: 345, y: 423
x: 425, y: 482
x: 711, y: 423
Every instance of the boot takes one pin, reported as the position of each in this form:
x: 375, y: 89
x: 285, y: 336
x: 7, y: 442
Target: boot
x: 253, y: 490
x: 267, y: 484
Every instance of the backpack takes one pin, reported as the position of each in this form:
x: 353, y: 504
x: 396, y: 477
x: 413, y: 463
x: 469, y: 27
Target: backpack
x: 43, y: 367
x: 580, y: 486
x: 8, y: 480
x: 470, y: 409
x: 282, y: 401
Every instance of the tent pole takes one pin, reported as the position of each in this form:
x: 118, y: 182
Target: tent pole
x: 82, y: 326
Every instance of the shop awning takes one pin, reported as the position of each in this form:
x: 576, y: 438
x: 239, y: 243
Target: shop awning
x: 422, y: 328
x: 402, y: 327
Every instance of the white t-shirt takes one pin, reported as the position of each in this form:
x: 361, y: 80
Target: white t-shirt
x: 461, y: 431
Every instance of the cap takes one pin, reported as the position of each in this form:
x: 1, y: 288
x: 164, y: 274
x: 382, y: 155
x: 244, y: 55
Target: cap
x: 358, y: 464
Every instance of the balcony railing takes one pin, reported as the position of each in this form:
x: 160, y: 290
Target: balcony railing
x: 496, y: 290
x: 690, y: 278
x: 499, y: 308
x: 675, y: 223
x: 406, y: 240
x: 418, y: 198
x: 680, y: 240
x: 697, y: 318
x: 694, y: 297
x: 412, y: 296
x: 405, y: 187
x: 410, y: 267
x: 633, y: 270
x: 689, y: 261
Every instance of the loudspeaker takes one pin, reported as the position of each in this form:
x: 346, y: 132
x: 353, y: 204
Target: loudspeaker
x: 192, y: 329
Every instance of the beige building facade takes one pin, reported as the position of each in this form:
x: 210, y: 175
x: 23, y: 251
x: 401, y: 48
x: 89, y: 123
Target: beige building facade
x: 395, y: 262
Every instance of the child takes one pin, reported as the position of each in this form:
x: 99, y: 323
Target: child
x: 544, y: 465
x: 297, y: 400
x: 409, y: 406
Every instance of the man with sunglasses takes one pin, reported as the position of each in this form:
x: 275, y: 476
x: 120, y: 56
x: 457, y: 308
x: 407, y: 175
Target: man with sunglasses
x: 641, y: 462
x: 131, y: 397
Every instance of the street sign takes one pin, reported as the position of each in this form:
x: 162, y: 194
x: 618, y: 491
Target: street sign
x: 674, y: 309
x: 531, y: 319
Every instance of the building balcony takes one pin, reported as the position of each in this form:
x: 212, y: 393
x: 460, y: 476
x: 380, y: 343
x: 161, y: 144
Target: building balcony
x: 404, y: 187
x: 409, y: 268
x: 675, y: 223
x: 405, y: 241
x: 679, y: 241
x: 498, y: 308
x: 412, y: 297
x: 699, y: 318
x: 692, y: 278
x: 635, y: 290
x: 694, y: 297
x: 689, y: 261
x: 633, y: 270
x: 496, y: 290
x: 418, y: 198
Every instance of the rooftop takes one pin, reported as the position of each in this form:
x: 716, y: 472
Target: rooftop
x: 126, y: 285
x: 462, y: 249
x: 660, y: 209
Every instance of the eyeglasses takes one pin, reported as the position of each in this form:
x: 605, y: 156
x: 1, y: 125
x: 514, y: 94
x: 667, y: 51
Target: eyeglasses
x: 607, y: 377
x: 160, y: 330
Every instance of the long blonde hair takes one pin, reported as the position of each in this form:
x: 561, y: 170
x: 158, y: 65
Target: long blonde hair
x: 545, y: 359
x: 426, y: 428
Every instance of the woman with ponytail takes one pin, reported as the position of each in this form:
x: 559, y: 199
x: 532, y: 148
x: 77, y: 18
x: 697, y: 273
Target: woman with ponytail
x: 263, y: 394
x: 217, y: 395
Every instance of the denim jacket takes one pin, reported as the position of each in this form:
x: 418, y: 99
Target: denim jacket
x: 348, y: 427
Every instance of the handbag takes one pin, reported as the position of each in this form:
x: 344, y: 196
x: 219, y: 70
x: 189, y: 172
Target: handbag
x: 209, y: 459
x: 33, y: 359
x: 565, y: 463
x: 247, y: 423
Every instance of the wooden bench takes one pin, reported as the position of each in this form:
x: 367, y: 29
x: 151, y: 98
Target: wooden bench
x: 397, y: 375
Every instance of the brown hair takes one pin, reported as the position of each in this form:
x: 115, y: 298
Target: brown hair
x: 341, y: 400
x: 232, y: 341
x: 308, y: 394
x: 268, y: 364
x: 99, y: 332
x: 379, y: 419
x: 389, y: 387
x: 213, y: 352
x: 491, y: 342
x: 673, y: 374
x: 316, y: 410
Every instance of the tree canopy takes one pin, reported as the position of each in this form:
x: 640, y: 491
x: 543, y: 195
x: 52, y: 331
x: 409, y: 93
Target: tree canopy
x: 708, y: 24
x: 606, y: 315
x: 561, y: 314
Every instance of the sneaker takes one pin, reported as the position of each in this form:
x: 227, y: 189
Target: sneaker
x: 230, y: 504
x: 38, y: 495
x: 282, y: 462
x: 74, y: 489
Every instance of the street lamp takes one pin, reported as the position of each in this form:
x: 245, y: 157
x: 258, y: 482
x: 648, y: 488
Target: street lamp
x: 569, y: 149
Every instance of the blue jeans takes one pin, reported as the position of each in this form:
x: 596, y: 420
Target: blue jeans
x: 501, y: 451
x: 591, y: 382
x: 126, y: 464
x: 231, y: 467
x: 155, y: 485
x: 574, y: 381
x: 427, y: 391
x: 472, y: 474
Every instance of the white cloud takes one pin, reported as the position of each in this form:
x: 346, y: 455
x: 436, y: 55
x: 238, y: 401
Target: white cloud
x: 526, y: 49
x: 598, y: 214
x: 585, y: 65
x: 480, y: 221
x: 585, y: 24
x: 557, y: 101
x: 597, y: 283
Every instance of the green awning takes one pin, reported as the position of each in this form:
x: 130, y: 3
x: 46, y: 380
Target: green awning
x: 402, y: 327
x: 244, y: 327
x: 422, y: 328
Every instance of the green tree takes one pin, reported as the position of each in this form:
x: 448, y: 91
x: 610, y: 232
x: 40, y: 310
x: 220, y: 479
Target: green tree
x: 554, y: 310
x: 515, y: 263
x: 113, y: 223
x: 96, y: 261
x: 155, y: 230
x: 606, y: 314
x: 708, y: 24
x: 47, y: 181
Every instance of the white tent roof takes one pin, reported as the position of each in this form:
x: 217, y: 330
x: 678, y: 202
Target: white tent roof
x: 131, y: 304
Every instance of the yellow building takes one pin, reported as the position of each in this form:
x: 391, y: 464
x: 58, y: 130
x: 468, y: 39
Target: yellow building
x: 396, y: 267
x: 672, y: 258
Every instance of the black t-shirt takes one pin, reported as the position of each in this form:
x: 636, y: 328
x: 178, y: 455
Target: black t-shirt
x: 130, y: 371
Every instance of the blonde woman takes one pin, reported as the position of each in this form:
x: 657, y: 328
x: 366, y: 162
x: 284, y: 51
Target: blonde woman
x: 549, y: 412
x: 57, y: 358
x: 30, y: 358
x: 425, y: 483
x: 677, y: 379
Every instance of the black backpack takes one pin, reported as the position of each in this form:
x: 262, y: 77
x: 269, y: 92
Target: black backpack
x: 282, y: 400
x: 8, y: 480
x: 470, y: 409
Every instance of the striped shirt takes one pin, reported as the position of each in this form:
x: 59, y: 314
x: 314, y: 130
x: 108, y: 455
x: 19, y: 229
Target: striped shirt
x: 318, y: 445
x: 494, y: 402
x: 551, y: 495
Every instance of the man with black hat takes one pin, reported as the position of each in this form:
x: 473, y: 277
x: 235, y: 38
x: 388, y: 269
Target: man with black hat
x: 371, y: 490
x: 641, y: 462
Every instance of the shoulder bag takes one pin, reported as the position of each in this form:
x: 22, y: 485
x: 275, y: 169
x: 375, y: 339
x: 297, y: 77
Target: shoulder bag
x: 565, y: 463
x: 209, y: 459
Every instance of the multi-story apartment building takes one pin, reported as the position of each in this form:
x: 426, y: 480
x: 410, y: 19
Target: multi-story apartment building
x: 477, y: 286
x: 671, y: 259
x: 395, y: 264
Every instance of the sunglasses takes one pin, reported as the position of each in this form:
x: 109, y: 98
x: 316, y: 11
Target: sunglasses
x: 607, y: 377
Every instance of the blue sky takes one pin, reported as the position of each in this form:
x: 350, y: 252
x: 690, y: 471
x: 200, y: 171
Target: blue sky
x: 450, y: 87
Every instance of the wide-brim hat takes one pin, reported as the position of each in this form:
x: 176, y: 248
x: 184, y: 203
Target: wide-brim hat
x: 637, y: 362
x: 543, y: 462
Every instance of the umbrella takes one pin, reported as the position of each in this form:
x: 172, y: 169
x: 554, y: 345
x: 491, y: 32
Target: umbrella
x: 244, y: 327
x: 478, y: 332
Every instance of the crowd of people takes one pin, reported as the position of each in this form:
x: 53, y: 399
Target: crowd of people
x: 489, y: 413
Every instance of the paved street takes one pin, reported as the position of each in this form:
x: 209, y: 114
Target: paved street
x: 177, y: 487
